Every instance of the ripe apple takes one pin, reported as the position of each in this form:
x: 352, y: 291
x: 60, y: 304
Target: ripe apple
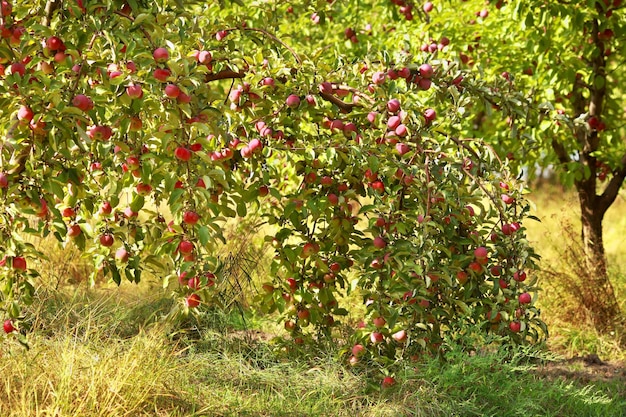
x: 18, y: 68
x: 107, y: 240
x: 379, y: 242
x: 161, y: 74
x: 379, y: 77
x: 194, y: 283
x: 376, y: 337
x: 309, y: 249
x: 4, y: 180
x: 462, y: 276
x: 480, y: 252
x: 304, y: 314
x: 182, y: 154
x: 8, y: 326
x: 507, y: 199
x: 519, y: 276
x: 379, y: 322
x: 388, y: 382
x: 105, y: 208
x: 358, y: 350
x: 193, y: 300
x: 183, y: 98
x: 19, y: 263
x: 393, y: 105
x: 25, y: 114
x: 290, y: 325
x: 515, y: 326
x: 185, y: 247
x: 394, y: 122
x: 161, y: 55
x: 122, y: 255
x: 430, y: 115
x: 293, y: 101
x: 134, y: 91
x: 143, y: 189
x: 83, y: 102
x: 132, y: 163
x: 428, y: 7
x: 378, y: 186
x: 172, y: 90
x: 102, y: 133
x: 293, y: 284
x: 191, y: 217
x: 399, y: 336
x: 426, y: 71
x: 73, y: 231
x: 353, y: 361
x: 524, y: 298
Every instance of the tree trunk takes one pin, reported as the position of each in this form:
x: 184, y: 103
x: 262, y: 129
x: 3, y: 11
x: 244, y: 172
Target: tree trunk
x: 599, y: 297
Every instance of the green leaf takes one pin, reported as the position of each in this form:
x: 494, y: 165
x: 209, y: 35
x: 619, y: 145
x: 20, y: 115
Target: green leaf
x: 204, y: 235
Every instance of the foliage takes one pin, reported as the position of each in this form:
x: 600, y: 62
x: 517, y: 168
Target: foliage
x: 135, y: 131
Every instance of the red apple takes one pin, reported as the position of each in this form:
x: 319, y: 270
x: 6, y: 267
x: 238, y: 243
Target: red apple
x: 19, y: 263
x: 122, y: 254
x: 480, y: 252
x: 399, y: 336
x: 191, y: 217
x: 105, y: 208
x: 185, y: 247
x: 107, y: 240
x: 379, y: 242
x: 161, y: 74
x: 388, y: 382
x: 304, y: 314
x: 358, y: 350
x: 25, y: 114
x: 134, y: 91
x: 83, y: 102
x: 293, y: 101
x: 515, y: 326
x: 182, y: 154
x: 161, y: 55
x: 4, y: 180
x: 172, y: 91
x: 430, y: 115
x: 8, y: 326
x: 193, y: 300
x: 426, y: 70
x: 18, y: 68
x: 376, y: 337
x: 524, y: 298
x: 519, y: 276
x: 393, y: 105
x: 379, y: 322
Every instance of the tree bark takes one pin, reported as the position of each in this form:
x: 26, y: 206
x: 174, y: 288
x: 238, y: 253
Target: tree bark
x: 599, y: 298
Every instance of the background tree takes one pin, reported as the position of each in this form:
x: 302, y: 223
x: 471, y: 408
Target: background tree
x: 566, y: 56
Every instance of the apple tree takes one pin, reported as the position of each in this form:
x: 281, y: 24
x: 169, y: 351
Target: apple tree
x: 566, y: 57
x: 135, y: 130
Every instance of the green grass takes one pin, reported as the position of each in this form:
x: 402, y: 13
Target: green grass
x: 106, y: 353
x: 559, y: 229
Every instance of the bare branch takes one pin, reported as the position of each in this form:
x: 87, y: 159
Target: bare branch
x: 347, y: 107
x: 225, y: 74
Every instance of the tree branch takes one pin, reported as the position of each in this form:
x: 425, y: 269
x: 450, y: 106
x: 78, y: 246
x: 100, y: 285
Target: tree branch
x: 612, y: 189
x: 224, y: 74
x: 347, y: 107
x: 561, y: 153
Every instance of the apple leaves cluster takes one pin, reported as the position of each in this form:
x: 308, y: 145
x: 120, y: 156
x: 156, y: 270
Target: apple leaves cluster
x: 135, y: 132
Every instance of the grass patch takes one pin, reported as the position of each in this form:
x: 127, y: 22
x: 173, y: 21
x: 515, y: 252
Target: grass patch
x: 103, y: 353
